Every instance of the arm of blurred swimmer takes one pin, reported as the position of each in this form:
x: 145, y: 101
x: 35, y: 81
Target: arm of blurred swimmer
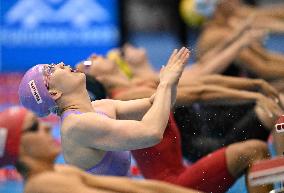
x: 198, y: 93
x: 222, y: 60
x: 134, y: 93
x: 253, y: 63
x: 204, y: 87
x: 240, y: 84
x: 266, y: 54
x: 188, y: 95
x: 54, y: 183
x: 217, y: 64
x: 129, y: 185
x: 227, y: 39
x: 105, y: 133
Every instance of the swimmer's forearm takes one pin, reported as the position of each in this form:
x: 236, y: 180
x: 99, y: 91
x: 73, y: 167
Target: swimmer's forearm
x: 159, y: 112
x: 220, y: 62
x: 231, y: 82
x: 212, y: 53
x: 133, y: 109
x: 216, y: 93
x: 210, y: 93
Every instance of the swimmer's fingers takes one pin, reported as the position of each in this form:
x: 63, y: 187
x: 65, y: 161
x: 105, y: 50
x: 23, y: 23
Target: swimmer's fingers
x: 173, y: 70
x: 178, y: 58
x: 172, y: 56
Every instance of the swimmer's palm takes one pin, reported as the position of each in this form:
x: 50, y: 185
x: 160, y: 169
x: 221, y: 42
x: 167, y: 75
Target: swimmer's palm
x: 172, y: 71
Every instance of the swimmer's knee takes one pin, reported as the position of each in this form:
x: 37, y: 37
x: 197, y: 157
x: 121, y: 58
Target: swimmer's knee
x: 241, y: 155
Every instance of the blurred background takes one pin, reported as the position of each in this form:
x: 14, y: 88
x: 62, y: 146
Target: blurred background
x: 51, y: 31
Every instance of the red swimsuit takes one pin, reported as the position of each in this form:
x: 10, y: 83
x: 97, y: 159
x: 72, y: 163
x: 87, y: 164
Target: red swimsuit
x: 164, y: 162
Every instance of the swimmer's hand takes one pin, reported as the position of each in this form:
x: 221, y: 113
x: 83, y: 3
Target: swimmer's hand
x: 269, y: 106
x: 266, y: 89
x: 171, y: 73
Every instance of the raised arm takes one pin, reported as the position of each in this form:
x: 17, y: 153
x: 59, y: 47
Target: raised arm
x: 215, y: 66
x: 108, y: 134
x: 228, y: 40
x: 222, y: 60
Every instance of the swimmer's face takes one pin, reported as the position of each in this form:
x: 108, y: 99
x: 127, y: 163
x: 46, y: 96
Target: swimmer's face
x: 63, y: 78
x: 37, y: 141
x: 98, y: 66
x: 101, y: 65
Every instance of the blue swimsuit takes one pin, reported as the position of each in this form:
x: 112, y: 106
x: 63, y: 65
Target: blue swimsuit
x: 115, y: 163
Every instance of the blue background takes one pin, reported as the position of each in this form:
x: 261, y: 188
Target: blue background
x: 22, y: 56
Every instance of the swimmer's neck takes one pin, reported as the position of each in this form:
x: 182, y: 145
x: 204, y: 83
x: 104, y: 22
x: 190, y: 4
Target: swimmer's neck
x: 36, y: 167
x: 75, y: 101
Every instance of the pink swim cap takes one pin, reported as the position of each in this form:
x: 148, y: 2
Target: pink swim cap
x: 33, y: 92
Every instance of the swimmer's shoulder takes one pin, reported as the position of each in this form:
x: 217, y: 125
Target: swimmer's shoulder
x: 73, y: 120
x: 102, y: 102
x: 68, y: 169
x: 106, y: 106
x: 43, y: 182
x: 54, y: 181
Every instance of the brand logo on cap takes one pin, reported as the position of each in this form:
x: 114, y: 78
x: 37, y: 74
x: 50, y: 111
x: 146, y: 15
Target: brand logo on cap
x: 35, y: 92
x: 3, y: 139
x: 279, y: 128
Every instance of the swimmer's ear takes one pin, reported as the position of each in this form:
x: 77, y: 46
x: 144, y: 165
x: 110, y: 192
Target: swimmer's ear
x: 55, y: 94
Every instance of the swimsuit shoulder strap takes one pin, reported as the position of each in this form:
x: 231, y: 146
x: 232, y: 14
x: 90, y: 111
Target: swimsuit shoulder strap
x: 69, y: 112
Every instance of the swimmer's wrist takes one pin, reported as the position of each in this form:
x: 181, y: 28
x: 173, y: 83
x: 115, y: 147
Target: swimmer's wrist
x: 258, y: 83
x: 164, y: 84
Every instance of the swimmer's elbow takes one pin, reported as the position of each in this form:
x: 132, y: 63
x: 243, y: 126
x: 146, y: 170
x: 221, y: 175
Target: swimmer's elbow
x: 155, y: 136
x: 152, y: 141
x: 146, y: 135
x: 157, y: 140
